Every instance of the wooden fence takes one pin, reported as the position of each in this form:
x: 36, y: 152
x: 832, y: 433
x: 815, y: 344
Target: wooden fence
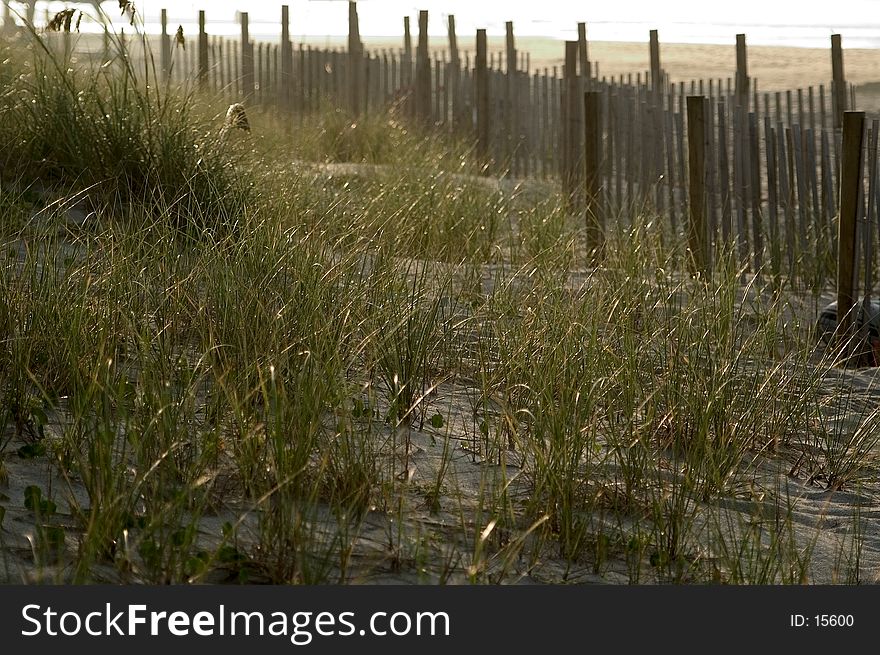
x: 764, y: 168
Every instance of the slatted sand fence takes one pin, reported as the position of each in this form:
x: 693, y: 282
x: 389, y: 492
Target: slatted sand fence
x: 770, y: 185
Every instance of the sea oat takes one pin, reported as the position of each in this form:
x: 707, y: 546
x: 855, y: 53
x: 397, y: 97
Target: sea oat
x: 79, y: 20
x: 61, y: 21
x: 236, y: 118
x: 127, y: 7
x: 178, y: 37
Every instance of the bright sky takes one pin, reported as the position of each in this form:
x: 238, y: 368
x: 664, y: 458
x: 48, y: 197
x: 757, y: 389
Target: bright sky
x: 377, y: 15
x: 707, y: 20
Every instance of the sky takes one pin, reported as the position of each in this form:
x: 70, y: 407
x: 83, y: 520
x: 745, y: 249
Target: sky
x: 770, y: 21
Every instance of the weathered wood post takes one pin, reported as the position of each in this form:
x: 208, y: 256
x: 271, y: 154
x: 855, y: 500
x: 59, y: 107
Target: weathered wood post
x: 511, y: 102
x: 247, y: 59
x: 850, y: 187
x: 406, y: 66
x: 286, y: 60
x: 696, y: 131
x: 838, y: 82
x: 165, y: 41
x: 593, y: 160
x: 355, y: 61
x: 453, y: 78
x: 742, y: 72
x: 869, y: 216
x: 656, y: 70
x: 583, y: 55
x: 203, y: 52
x: 571, y: 108
x: 481, y: 92
x: 423, y: 72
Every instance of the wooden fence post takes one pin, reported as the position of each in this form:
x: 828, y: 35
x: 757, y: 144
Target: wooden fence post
x: 696, y: 130
x: 453, y: 78
x: 593, y: 161
x: 850, y: 188
x: 869, y: 216
x: 510, y: 48
x: 583, y: 54
x: 772, y: 197
x: 247, y: 59
x: 838, y: 82
x: 571, y: 108
x: 742, y: 72
x: 166, y: 45
x: 511, y: 104
x: 203, y: 52
x: 656, y: 71
x: 751, y: 151
x: 481, y: 92
x: 406, y: 64
x: 286, y: 60
x: 355, y: 61
x: 423, y: 72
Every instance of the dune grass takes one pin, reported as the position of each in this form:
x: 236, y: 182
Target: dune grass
x: 248, y: 365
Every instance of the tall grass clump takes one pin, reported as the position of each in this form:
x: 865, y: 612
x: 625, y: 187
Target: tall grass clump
x: 121, y: 134
x: 638, y: 396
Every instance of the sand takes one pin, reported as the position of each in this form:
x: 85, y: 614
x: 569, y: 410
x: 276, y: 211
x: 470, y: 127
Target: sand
x: 773, y: 68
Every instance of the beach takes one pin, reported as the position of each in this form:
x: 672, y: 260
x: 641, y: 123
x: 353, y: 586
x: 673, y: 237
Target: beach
x: 772, y: 68
x: 334, y: 344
